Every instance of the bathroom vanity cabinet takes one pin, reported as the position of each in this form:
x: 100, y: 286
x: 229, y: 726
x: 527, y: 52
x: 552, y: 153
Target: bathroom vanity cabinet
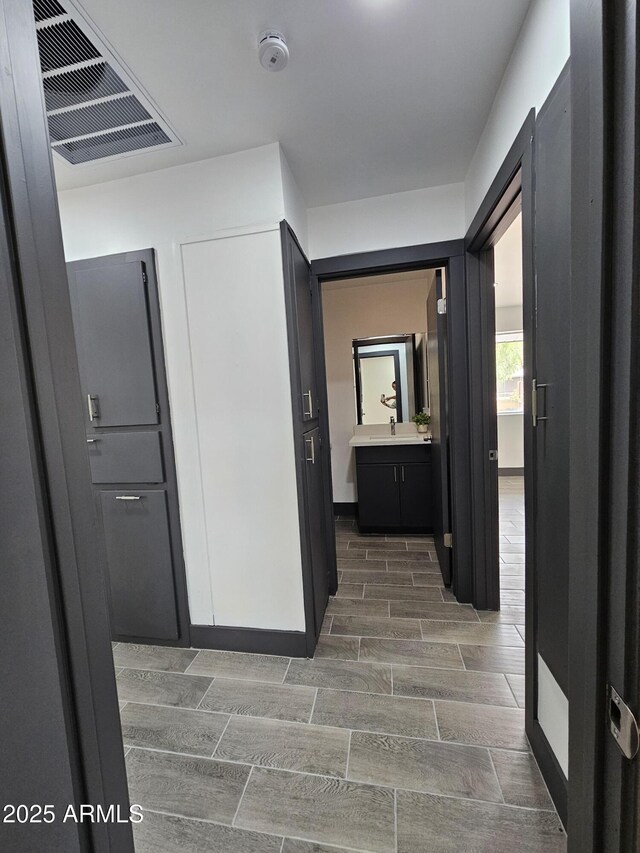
x: 395, y: 488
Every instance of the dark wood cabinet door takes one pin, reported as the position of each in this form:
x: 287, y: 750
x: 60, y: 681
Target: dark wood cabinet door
x: 316, y: 531
x: 416, y: 496
x: 141, y: 587
x: 379, y: 496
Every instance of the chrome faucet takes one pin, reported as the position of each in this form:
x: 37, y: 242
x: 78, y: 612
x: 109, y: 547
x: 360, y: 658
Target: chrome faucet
x: 392, y: 422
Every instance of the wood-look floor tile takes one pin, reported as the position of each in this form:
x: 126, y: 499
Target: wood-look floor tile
x: 423, y: 765
x: 403, y: 593
x: 315, y: 808
x: 418, y: 570
x: 433, y: 610
x: 360, y: 564
x: 423, y: 546
x: 520, y: 780
x: 372, y: 626
x: 191, y: 787
x: 482, y: 725
x: 384, y: 577
x: 172, y: 729
x: 285, y: 746
x: 493, y: 658
x: 326, y: 624
x: 512, y: 548
x: 160, y: 833
x: 428, y: 579
x: 350, y: 590
x: 513, y: 558
x: 259, y: 699
x: 368, y: 544
x: 511, y: 615
x: 374, y: 713
x: 337, y: 647
x: 162, y: 658
x: 357, y: 607
x: 239, y: 665
x: 479, y: 635
x: 517, y: 685
x: 411, y: 652
x: 510, y: 582
x: 161, y: 688
x: 487, y: 688
x: 341, y: 675
x: 391, y: 556
x: 512, y: 596
x: 293, y: 845
x: 453, y: 825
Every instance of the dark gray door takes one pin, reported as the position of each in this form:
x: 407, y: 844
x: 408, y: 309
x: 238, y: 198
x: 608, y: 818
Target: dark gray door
x: 136, y: 528
x: 304, y: 321
x: 314, y: 491
x: 116, y: 317
x: 111, y: 319
x: 438, y: 407
x: 552, y: 256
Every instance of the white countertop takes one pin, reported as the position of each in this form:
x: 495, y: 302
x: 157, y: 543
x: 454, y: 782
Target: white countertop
x: 373, y: 440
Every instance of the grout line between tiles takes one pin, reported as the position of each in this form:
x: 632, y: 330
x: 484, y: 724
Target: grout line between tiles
x: 286, y: 672
x: 435, y: 714
x: 313, y: 707
x: 226, y: 726
x: 197, y: 708
x: 196, y: 656
x: 346, y: 769
x: 246, y: 784
x: 395, y: 817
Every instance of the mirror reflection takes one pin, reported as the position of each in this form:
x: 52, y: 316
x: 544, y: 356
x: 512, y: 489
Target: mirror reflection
x: 389, y: 377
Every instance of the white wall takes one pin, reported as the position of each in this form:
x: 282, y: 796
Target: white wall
x: 510, y: 426
x: 553, y: 714
x: 387, y: 222
x: 361, y: 311
x: 160, y: 210
x: 539, y: 56
x: 237, y: 327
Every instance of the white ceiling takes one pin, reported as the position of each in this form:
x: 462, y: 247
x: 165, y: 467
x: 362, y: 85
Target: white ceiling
x: 507, y: 265
x: 380, y: 96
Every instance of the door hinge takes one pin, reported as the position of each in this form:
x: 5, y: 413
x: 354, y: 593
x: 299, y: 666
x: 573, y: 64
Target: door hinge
x: 493, y: 456
x: 144, y: 277
x: 623, y: 724
x: 157, y: 408
x: 448, y: 540
x: 442, y: 305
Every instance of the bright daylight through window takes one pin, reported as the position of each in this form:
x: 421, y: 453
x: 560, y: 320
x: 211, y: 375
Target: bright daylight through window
x: 509, y: 372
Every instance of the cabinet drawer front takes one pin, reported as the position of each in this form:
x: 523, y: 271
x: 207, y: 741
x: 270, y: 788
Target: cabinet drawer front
x: 126, y: 457
x: 139, y: 563
x: 381, y: 453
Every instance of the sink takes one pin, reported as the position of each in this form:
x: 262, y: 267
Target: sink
x: 363, y: 440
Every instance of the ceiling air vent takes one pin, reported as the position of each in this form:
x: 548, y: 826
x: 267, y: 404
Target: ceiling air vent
x: 95, y: 109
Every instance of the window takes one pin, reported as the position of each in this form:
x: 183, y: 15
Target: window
x: 509, y: 373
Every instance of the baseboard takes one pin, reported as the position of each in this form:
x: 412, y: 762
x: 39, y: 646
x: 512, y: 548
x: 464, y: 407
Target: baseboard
x: 345, y: 509
x: 291, y: 644
x: 510, y: 472
x: 550, y: 769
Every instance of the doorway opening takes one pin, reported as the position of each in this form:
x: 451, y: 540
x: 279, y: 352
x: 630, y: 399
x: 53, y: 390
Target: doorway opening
x: 509, y: 383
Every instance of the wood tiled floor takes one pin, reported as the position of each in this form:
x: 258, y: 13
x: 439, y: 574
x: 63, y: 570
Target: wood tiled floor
x: 405, y: 734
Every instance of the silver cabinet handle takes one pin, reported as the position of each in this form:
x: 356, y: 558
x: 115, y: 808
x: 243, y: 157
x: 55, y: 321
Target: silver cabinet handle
x: 92, y: 440
x: 311, y: 443
x: 535, y: 417
x: 128, y: 497
x: 403, y: 473
x: 92, y: 405
x: 309, y: 413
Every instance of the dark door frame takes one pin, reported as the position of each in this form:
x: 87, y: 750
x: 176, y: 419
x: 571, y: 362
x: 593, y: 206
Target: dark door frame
x: 515, y: 180
x: 67, y: 540
x: 396, y: 370
x: 449, y: 255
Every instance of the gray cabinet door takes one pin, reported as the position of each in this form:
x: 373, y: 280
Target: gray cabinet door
x: 126, y: 457
x: 141, y: 584
x: 379, y: 496
x: 416, y: 496
x: 111, y: 322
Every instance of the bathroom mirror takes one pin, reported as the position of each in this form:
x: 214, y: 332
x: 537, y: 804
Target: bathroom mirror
x: 389, y: 377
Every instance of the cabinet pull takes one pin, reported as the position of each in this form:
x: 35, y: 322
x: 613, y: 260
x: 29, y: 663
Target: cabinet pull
x: 309, y: 413
x: 92, y: 440
x: 535, y: 417
x: 311, y: 443
x: 403, y: 473
x: 128, y: 497
x: 395, y: 474
x: 92, y: 405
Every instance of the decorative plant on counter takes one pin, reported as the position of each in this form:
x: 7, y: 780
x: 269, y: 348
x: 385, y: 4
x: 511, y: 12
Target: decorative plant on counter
x: 422, y: 421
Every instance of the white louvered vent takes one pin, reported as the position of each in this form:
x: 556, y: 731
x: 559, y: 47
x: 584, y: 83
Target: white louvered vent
x: 95, y: 109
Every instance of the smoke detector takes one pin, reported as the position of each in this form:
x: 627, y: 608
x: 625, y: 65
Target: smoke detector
x: 273, y: 50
